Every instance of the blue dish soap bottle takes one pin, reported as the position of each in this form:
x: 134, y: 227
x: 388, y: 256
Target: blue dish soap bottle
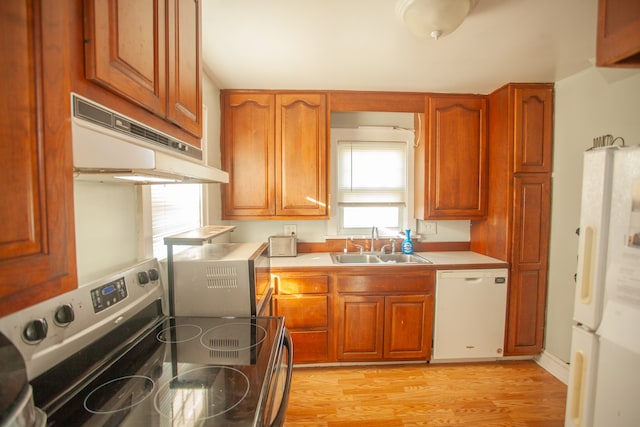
x: 407, y: 244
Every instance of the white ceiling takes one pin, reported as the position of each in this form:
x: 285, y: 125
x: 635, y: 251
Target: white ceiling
x: 363, y: 45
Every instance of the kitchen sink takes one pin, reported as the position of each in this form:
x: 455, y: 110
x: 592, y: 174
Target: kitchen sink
x: 403, y: 259
x: 371, y: 258
x: 355, y: 259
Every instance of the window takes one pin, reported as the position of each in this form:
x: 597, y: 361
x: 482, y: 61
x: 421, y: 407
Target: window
x: 174, y: 208
x: 372, y: 180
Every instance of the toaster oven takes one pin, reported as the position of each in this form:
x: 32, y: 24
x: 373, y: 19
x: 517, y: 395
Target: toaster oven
x: 223, y: 279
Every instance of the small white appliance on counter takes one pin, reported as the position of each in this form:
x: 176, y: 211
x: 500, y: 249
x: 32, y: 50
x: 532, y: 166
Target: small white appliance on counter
x: 283, y: 246
x: 604, y: 376
x: 222, y: 279
x: 470, y: 314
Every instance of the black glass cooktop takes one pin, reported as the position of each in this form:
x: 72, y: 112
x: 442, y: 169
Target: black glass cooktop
x: 183, y: 371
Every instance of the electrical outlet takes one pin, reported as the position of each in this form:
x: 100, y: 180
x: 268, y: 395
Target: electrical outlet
x: 430, y: 227
x: 289, y: 230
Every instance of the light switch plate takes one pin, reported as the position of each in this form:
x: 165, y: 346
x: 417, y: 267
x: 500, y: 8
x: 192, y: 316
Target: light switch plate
x: 430, y: 227
x: 290, y: 230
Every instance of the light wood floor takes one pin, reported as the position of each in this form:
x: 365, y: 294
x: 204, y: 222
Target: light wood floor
x: 514, y: 393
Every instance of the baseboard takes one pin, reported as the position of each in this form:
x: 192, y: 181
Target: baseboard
x: 554, y: 366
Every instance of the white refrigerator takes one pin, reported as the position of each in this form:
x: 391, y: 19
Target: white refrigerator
x: 604, y: 377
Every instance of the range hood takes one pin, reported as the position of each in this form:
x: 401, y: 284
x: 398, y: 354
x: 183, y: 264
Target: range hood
x: 108, y: 146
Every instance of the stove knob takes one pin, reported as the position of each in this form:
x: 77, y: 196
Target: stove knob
x: 35, y: 331
x: 64, y: 315
x: 153, y: 275
x: 143, y: 278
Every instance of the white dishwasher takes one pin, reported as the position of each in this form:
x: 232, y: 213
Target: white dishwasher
x: 470, y: 314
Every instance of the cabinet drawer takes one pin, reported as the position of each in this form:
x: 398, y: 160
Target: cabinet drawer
x: 303, y: 285
x: 310, y: 346
x: 303, y: 311
x: 422, y: 283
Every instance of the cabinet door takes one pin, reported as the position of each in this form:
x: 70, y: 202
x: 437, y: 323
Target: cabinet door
x: 248, y: 155
x: 528, y: 285
x: 408, y: 326
x: 618, y: 38
x: 306, y: 317
x: 533, y: 129
x: 457, y: 156
x: 37, y: 245
x: 301, y: 155
x: 125, y: 49
x: 184, y: 95
x: 360, y: 327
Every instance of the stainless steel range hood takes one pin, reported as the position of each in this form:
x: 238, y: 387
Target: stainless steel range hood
x: 108, y: 146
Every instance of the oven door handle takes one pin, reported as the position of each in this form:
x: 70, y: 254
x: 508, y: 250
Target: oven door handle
x: 286, y: 342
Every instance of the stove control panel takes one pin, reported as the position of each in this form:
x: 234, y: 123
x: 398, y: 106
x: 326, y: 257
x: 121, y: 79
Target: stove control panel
x: 107, y: 295
x: 47, y: 332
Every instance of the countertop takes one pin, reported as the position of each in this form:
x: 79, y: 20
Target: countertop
x: 451, y: 259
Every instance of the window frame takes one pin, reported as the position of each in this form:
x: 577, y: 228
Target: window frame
x: 370, y: 134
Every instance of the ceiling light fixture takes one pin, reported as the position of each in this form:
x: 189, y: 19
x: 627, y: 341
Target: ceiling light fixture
x: 434, y: 18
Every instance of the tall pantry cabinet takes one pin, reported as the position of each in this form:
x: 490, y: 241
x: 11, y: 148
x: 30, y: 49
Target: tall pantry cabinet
x: 517, y: 225
x: 37, y: 246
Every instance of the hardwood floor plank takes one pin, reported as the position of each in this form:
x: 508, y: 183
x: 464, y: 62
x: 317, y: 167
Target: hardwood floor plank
x: 514, y: 393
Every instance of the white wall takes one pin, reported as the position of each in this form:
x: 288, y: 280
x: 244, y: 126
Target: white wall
x: 597, y: 101
x: 106, y: 223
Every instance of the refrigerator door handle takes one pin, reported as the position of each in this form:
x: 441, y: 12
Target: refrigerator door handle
x: 586, y: 279
x: 577, y: 384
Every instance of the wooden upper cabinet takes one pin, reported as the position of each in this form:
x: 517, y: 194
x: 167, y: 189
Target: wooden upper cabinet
x: 533, y: 129
x: 148, y: 52
x: 452, y: 184
x: 618, y: 38
x: 274, y: 147
x: 37, y: 245
x: 126, y: 49
x: 248, y: 152
x: 184, y: 105
x: 301, y: 155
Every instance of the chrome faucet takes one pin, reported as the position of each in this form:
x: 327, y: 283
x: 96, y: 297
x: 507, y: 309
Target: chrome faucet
x: 391, y: 244
x: 374, y: 237
x: 357, y: 245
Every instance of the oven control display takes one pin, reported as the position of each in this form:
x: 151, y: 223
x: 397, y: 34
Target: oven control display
x: 107, y: 295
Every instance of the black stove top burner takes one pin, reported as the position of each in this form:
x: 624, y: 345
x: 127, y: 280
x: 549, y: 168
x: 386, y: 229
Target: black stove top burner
x: 201, y: 393
x: 227, y: 337
x: 132, y: 389
x: 192, y: 371
x: 184, y: 332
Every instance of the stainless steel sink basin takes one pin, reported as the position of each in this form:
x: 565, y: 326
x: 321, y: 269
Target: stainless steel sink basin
x: 355, y: 259
x: 403, y: 259
x: 371, y: 258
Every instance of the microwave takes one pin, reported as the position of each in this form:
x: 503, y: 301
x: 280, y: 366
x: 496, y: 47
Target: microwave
x: 223, y: 280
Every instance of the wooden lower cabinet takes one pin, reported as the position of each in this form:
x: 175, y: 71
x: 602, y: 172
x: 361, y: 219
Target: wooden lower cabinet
x: 306, y: 317
x: 303, y: 300
x: 384, y: 327
x: 356, y: 314
x: 408, y: 326
x: 360, y: 327
x: 384, y: 315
